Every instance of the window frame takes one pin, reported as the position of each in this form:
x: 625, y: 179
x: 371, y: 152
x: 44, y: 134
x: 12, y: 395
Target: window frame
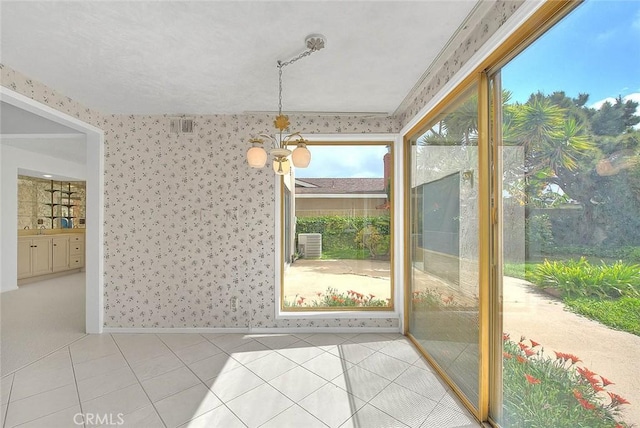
x: 533, y: 21
x: 396, y: 228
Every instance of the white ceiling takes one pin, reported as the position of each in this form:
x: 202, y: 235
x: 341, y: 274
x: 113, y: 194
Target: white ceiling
x: 198, y: 57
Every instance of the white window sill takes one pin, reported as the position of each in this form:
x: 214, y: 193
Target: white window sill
x: 337, y: 314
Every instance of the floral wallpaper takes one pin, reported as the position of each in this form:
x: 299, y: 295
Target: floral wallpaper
x: 188, y: 225
x: 456, y: 58
x: 40, y: 92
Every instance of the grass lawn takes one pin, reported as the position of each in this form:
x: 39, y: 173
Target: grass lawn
x: 519, y: 270
x: 622, y: 314
x: 346, y: 253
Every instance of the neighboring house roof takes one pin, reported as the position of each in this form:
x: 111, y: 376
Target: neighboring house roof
x: 344, y: 186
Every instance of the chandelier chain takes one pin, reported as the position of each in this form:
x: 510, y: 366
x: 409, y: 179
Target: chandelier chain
x: 284, y: 64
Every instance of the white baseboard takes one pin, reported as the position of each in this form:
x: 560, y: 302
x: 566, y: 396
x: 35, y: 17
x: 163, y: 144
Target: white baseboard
x: 247, y: 330
x: 344, y: 330
x: 174, y: 330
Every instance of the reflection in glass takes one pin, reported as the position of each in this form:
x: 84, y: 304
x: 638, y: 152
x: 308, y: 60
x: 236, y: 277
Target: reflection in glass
x: 444, y: 243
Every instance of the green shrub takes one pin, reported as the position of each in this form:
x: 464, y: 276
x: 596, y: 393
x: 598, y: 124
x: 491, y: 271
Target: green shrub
x: 339, y: 233
x: 579, y: 278
x: 371, y: 239
x: 541, y: 391
x: 538, y: 233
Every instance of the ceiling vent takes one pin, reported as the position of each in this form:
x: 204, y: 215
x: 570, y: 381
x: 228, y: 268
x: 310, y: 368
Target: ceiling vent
x: 180, y: 125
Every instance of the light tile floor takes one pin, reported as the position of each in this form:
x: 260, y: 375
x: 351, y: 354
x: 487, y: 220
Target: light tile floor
x: 232, y: 380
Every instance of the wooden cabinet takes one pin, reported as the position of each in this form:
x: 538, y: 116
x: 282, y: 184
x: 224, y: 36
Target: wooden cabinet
x: 42, y: 255
x: 76, y: 252
x: 35, y: 256
x: 24, y: 258
x: 60, y: 253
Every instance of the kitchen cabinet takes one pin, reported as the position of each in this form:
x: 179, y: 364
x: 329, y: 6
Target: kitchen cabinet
x: 76, y: 251
x: 35, y: 256
x: 43, y: 255
x: 60, y: 253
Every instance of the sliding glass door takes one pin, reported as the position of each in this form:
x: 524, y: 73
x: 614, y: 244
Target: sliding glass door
x: 523, y: 224
x: 443, y: 312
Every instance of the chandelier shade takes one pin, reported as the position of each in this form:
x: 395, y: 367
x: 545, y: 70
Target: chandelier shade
x: 283, y: 157
x: 301, y: 156
x: 256, y: 155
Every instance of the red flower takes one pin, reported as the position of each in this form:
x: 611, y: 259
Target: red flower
x: 566, y: 357
x: 522, y: 346
x: 505, y: 336
x: 616, y: 399
x: 529, y: 352
x: 534, y: 343
x: 577, y: 394
x: 605, y: 381
x: 521, y: 359
x: 597, y: 388
x: 586, y: 373
x: 532, y: 380
x: 587, y: 405
x: 372, y: 295
x: 573, y: 358
x: 507, y: 355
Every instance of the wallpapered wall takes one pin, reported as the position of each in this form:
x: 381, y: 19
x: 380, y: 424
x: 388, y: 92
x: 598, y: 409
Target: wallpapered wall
x: 188, y: 225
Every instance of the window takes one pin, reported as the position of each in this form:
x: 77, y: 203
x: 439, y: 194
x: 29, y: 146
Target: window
x: 341, y: 230
x: 541, y: 328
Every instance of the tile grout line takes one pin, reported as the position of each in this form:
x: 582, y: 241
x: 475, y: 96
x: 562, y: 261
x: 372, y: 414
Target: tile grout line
x: 203, y: 381
x: 75, y: 380
x: 138, y: 380
x: 42, y: 416
x: 6, y: 411
x: 44, y: 356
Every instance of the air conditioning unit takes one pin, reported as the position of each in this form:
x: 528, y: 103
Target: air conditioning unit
x: 310, y: 245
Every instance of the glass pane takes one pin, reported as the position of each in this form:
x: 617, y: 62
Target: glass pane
x: 341, y: 236
x: 444, y: 243
x: 571, y: 223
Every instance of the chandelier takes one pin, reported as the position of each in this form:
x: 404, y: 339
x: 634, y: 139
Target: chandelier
x: 301, y: 157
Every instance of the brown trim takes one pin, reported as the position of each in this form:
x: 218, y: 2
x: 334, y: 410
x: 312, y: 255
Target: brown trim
x: 484, y: 244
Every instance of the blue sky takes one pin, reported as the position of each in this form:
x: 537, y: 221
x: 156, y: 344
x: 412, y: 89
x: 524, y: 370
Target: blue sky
x: 344, y: 162
x: 595, y: 49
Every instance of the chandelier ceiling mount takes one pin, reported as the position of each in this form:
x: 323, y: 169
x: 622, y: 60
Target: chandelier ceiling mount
x: 301, y: 157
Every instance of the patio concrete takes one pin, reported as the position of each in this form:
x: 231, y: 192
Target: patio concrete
x: 305, y: 278
x: 610, y: 353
